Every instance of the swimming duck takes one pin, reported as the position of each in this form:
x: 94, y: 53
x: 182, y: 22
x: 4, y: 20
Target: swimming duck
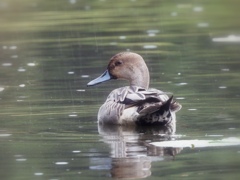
x: 136, y: 103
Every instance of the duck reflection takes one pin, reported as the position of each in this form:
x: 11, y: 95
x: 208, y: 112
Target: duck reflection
x: 131, y: 151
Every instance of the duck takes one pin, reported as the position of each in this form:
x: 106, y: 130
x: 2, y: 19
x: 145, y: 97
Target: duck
x: 136, y: 104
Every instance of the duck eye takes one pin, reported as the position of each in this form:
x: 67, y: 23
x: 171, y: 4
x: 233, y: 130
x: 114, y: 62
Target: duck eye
x: 118, y: 63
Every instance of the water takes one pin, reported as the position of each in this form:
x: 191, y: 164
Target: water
x: 50, y: 50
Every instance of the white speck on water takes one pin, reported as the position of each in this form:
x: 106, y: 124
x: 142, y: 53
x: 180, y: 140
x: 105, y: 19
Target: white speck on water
x: 13, y: 47
x: 72, y: 115
x: 61, y: 163
x: 80, y: 90
x: 14, y: 56
x: 122, y: 37
x: 203, y: 25
x: 72, y: 1
x: 198, y: 9
x: 230, y: 38
x: 222, y: 87
x: 213, y: 135
x: 5, y: 135
x: 113, y: 43
x: 150, y: 47
x: 21, y: 69
x: 151, y: 34
x: 38, y: 174
x: 181, y: 84
x: 70, y: 72
x: 87, y: 8
x: 31, y: 64
x: 84, y: 76
x: 192, y: 109
x: 20, y: 100
x: 174, y: 14
x: 22, y: 85
x: 21, y: 159
x: 76, y: 151
x: 6, y: 64
x: 1, y: 89
x: 179, y: 74
x: 225, y: 69
x: 180, y: 97
x: 231, y: 128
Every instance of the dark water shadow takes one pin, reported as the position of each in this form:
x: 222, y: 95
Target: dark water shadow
x: 131, y: 151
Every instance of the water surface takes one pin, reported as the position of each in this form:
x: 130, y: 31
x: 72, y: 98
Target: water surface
x: 49, y: 50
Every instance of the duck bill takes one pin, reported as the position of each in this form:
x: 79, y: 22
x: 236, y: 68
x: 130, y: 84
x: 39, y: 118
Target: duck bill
x: 104, y: 77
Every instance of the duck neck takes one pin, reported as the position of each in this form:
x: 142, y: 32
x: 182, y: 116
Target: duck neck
x: 141, y: 78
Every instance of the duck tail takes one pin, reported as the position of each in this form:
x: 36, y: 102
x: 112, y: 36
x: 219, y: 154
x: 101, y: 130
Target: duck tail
x: 159, y: 113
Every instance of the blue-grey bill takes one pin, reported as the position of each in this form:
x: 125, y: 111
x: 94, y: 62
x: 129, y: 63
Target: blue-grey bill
x: 104, y: 77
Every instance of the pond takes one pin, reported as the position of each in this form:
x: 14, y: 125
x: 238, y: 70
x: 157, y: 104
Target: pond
x: 50, y: 50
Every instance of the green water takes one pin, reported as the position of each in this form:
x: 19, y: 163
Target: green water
x: 50, y: 50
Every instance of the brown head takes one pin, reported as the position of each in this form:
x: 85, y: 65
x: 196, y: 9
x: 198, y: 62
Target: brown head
x: 126, y: 65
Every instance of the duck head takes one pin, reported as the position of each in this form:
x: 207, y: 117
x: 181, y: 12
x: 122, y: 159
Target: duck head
x: 128, y: 66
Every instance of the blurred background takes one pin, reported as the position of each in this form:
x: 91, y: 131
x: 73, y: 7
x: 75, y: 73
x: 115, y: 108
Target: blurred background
x: 50, y: 50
